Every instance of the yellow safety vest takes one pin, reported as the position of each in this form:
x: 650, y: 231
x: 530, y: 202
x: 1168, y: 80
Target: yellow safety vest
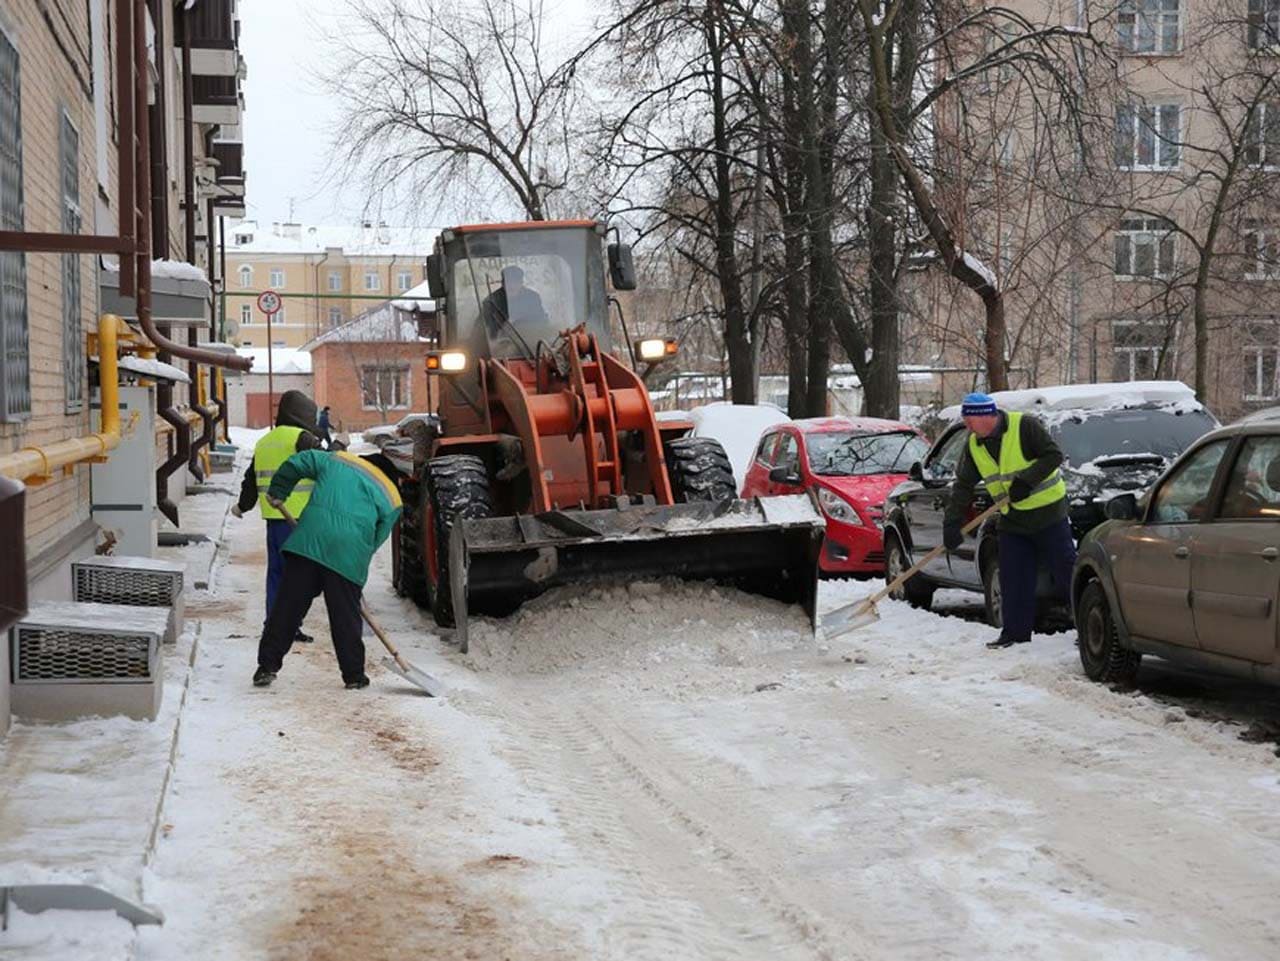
x: 1013, y: 461
x: 268, y: 455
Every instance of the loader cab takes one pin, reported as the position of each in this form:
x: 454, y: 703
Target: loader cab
x: 511, y: 290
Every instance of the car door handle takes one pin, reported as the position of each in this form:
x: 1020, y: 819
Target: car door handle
x: 1269, y: 554
x: 1182, y: 553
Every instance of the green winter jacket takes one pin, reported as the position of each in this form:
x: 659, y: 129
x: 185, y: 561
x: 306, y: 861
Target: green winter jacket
x: 352, y: 510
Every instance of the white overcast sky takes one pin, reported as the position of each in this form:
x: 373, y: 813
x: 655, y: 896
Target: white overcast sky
x: 287, y: 119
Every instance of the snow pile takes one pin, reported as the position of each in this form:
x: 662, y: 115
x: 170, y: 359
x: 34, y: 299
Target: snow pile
x: 738, y: 428
x: 699, y: 623
x: 59, y: 935
x: 1077, y: 397
x: 284, y: 360
x: 168, y: 269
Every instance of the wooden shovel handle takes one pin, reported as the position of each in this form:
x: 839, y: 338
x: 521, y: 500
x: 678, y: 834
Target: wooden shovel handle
x: 936, y: 552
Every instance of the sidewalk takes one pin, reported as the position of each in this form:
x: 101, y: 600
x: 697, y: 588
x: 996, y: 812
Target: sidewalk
x: 81, y: 801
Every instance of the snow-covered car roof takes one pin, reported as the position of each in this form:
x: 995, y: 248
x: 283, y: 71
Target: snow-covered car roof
x: 866, y: 425
x: 1092, y: 397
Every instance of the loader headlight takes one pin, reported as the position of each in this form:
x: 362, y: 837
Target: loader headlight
x: 656, y: 349
x: 837, y: 508
x: 446, y: 362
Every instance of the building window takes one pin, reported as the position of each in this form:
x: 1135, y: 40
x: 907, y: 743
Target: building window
x: 1262, y: 252
x: 277, y: 278
x: 1262, y: 137
x: 335, y: 316
x: 1150, y: 26
x: 404, y: 280
x: 1140, y: 347
x: 1145, y: 247
x: 1264, y: 24
x: 15, y: 368
x: 335, y: 280
x: 246, y: 343
x: 384, y: 387
x: 246, y: 277
x: 1148, y: 136
x: 246, y: 315
x: 279, y: 316
x: 372, y: 280
x: 1260, y: 373
x: 73, y: 347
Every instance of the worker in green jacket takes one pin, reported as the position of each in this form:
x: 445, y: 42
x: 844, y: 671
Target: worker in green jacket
x: 352, y: 510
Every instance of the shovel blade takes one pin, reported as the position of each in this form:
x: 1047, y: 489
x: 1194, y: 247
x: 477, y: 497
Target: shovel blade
x: 416, y: 676
x: 849, y: 618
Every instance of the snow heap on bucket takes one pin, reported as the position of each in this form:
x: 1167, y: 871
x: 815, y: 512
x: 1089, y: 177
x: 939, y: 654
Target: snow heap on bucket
x: 767, y: 546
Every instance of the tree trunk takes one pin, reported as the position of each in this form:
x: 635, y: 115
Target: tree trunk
x: 882, y: 393
x: 736, y: 337
x: 796, y: 317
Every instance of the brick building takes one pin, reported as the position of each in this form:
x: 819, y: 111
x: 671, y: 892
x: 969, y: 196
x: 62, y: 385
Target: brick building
x: 59, y: 134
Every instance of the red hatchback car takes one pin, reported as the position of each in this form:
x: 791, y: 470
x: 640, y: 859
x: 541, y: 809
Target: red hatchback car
x: 852, y: 463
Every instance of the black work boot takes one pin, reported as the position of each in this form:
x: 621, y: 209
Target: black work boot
x: 263, y: 678
x: 357, y: 683
x: 302, y: 638
x: 1003, y: 642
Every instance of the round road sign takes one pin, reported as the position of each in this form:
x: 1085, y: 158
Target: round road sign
x: 269, y: 302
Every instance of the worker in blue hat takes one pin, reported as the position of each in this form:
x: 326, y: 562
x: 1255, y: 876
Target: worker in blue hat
x: 1014, y: 455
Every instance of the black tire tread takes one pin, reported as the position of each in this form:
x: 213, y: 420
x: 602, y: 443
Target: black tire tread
x: 458, y: 486
x: 411, y: 571
x: 1119, y: 665
x: 699, y: 470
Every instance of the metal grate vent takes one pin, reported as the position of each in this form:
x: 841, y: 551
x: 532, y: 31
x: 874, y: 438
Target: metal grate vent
x: 123, y: 585
x: 63, y: 654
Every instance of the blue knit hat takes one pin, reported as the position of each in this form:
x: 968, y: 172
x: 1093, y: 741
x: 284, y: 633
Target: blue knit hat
x: 977, y: 405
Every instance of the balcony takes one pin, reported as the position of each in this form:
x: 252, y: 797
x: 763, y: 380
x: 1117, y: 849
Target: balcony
x: 214, y: 34
x: 230, y: 157
x: 217, y: 100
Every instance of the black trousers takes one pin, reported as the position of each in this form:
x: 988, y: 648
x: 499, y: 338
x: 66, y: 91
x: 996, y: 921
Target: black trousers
x: 304, y: 580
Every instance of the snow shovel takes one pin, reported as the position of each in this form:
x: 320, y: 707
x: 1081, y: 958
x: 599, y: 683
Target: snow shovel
x: 395, y: 663
x: 862, y: 613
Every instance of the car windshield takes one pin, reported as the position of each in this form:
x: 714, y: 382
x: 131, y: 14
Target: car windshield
x: 845, y: 453
x: 1117, y: 433
x: 516, y: 288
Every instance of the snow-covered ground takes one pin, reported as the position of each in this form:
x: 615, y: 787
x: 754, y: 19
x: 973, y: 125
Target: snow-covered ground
x: 682, y: 772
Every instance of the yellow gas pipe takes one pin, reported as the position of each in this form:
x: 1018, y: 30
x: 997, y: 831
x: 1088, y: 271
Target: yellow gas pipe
x: 35, y: 465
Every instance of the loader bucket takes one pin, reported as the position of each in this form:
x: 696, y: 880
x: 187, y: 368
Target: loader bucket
x: 768, y: 546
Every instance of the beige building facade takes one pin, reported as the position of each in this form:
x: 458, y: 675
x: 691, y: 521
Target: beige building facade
x: 1105, y: 263
x: 327, y: 276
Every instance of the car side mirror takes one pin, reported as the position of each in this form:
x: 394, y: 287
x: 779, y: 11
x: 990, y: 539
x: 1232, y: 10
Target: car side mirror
x: 435, y: 276
x: 1123, y: 507
x: 916, y: 472
x: 622, y: 268
x: 784, y: 475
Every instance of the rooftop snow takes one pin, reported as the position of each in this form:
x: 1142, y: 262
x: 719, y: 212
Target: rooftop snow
x: 250, y: 237
x: 416, y: 298
x: 382, y: 325
x: 284, y: 360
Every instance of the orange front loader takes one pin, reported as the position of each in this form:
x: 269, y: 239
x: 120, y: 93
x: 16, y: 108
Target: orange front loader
x: 546, y: 465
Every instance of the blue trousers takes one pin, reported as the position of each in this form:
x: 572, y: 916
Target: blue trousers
x: 1021, y: 557
x: 277, y: 533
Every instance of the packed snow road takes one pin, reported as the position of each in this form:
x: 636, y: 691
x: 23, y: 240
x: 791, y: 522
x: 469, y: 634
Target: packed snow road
x: 680, y: 772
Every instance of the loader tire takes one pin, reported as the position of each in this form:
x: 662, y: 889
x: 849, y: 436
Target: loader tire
x: 410, y: 565
x: 699, y: 470
x: 456, y: 485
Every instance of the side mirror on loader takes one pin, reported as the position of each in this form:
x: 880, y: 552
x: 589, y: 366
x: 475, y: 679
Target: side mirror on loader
x: 622, y: 269
x: 435, y: 276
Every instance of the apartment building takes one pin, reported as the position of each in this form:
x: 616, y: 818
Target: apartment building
x: 327, y: 276
x: 61, y: 130
x: 1106, y: 265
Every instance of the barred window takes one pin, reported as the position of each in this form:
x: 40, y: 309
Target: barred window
x: 15, y: 369
x: 73, y: 348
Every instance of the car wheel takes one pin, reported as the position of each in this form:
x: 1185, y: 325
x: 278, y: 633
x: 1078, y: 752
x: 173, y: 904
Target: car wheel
x: 916, y: 590
x: 1103, y: 657
x: 992, y: 597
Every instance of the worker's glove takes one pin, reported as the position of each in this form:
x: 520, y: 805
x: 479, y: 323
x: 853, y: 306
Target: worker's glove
x: 1020, y: 489
x: 236, y: 511
x: 952, y: 537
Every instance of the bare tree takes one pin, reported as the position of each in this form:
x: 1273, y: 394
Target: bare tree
x: 454, y: 100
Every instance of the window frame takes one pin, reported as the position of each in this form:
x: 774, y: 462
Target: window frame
x: 1212, y: 498
x: 335, y: 281
x: 1131, y: 236
x: 273, y: 274
x: 73, y: 343
x: 1133, y: 137
x: 335, y: 316
x: 1262, y: 241
x: 404, y: 280
x: 404, y: 377
x: 15, y: 316
x: 244, y: 274
x: 246, y: 315
x: 1131, y: 351
x: 1261, y: 21
x: 376, y: 286
x: 1260, y: 151
x: 1129, y: 46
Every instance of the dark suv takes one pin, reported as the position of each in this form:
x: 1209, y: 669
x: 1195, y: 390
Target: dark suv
x: 1109, y: 450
